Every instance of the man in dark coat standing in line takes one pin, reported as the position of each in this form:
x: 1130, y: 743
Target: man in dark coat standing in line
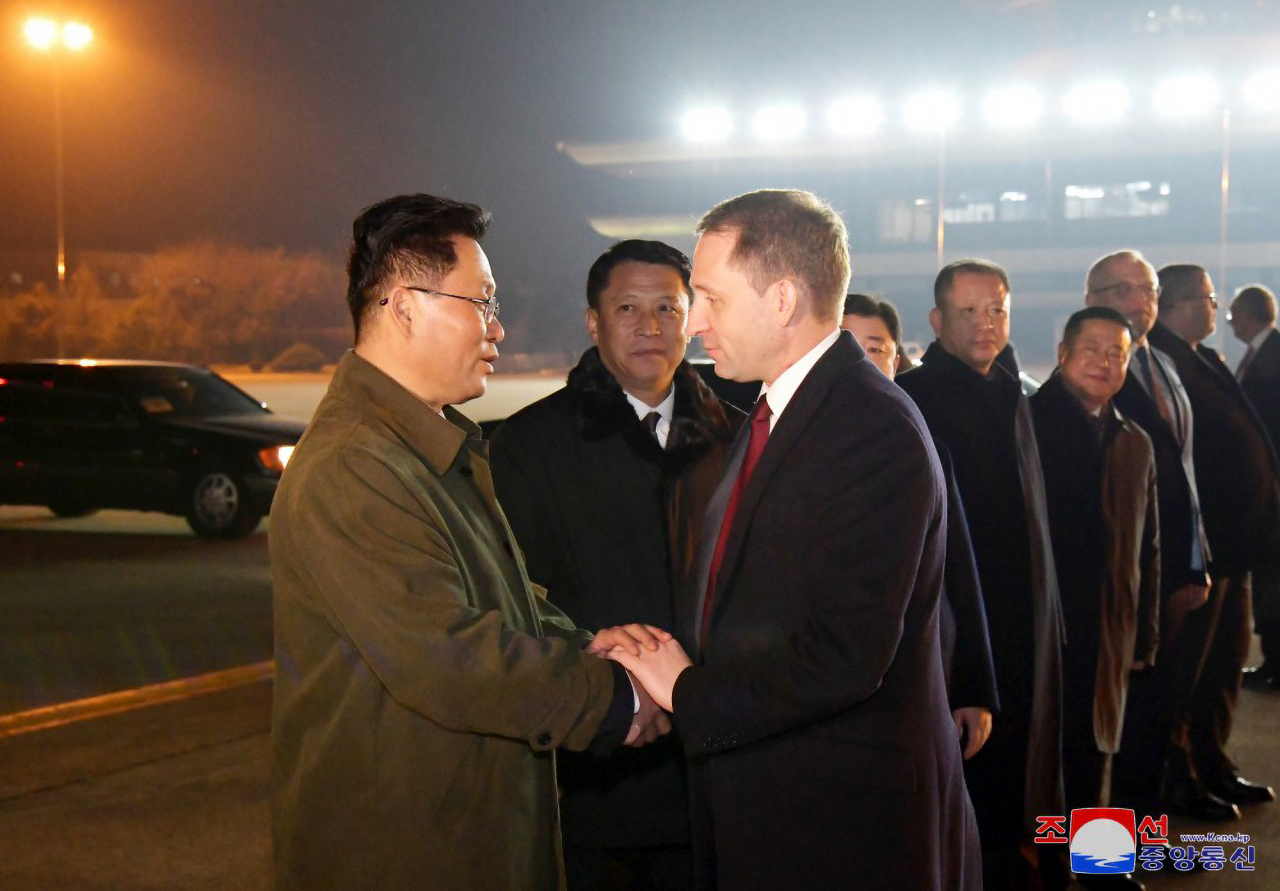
x: 975, y: 406
x: 1100, y: 481
x: 604, y: 483
x: 1240, y: 494
x: 816, y: 718
x: 1253, y: 321
x: 1154, y: 398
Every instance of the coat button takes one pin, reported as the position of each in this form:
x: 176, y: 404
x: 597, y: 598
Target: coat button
x: 544, y: 739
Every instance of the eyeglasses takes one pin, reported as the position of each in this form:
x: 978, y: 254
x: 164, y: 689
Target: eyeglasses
x: 1124, y: 289
x: 490, y: 310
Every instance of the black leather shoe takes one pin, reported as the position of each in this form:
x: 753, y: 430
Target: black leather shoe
x: 1189, y: 800
x: 1120, y: 881
x: 1237, y: 790
x: 1260, y: 677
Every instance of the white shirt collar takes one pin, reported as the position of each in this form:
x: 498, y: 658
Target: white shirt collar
x: 665, y: 409
x: 781, y: 391
x: 1258, y: 338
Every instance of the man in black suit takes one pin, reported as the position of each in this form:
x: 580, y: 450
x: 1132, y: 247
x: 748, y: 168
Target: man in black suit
x: 823, y: 753
x: 604, y: 483
x: 1154, y: 398
x: 1253, y: 320
x: 1240, y: 495
x: 968, y: 389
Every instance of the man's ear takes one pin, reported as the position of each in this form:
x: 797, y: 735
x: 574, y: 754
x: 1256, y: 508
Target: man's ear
x: 788, y: 301
x: 401, y: 310
x: 935, y: 321
x: 592, y: 319
x: 1062, y: 352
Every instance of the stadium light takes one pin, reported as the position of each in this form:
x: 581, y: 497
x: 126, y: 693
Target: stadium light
x: 76, y: 35
x: 708, y: 124
x: 1262, y: 91
x: 931, y: 110
x: 1013, y: 107
x: 779, y: 122
x: 1099, y: 102
x: 855, y: 116
x: 1186, y: 96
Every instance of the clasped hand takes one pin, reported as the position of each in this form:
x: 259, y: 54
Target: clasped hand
x: 653, y: 660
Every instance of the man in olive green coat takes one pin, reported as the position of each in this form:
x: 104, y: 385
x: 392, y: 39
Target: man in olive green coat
x: 422, y: 682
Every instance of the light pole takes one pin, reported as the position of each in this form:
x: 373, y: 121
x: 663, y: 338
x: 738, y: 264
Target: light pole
x: 56, y: 38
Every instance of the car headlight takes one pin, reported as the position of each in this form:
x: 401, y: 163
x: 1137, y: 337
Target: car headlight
x: 275, y: 458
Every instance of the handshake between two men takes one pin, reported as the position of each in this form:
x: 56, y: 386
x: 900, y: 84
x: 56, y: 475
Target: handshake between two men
x: 653, y: 660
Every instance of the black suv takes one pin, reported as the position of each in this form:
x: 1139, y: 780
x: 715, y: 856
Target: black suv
x: 80, y: 435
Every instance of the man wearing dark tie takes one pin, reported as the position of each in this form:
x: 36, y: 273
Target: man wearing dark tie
x: 823, y: 753
x: 1252, y: 317
x: 1154, y: 398
x: 1240, y: 494
x: 604, y: 483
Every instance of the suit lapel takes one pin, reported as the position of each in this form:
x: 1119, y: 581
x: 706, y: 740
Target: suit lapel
x: 712, y: 520
x: 786, y: 433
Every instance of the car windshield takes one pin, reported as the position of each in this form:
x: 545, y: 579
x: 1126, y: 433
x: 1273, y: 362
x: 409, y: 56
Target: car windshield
x: 183, y: 392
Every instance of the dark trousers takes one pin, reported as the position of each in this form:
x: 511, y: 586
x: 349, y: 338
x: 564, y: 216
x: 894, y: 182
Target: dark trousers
x: 1266, y: 611
x: 656, y: 868
x: 1083, y: 768
x: 1213, y: 703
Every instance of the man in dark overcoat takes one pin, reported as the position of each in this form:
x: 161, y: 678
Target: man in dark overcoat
x: 969, y: 391
x: 1240, y: 494
x: 1100, y: 481
x: 604, y: 483
x: 1252, y: 317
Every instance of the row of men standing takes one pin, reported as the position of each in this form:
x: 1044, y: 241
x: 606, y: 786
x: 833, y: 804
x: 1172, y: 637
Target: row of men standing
x: 1059, y: 500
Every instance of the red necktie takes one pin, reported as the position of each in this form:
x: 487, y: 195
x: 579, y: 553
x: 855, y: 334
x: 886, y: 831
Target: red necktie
x: 755, y: 446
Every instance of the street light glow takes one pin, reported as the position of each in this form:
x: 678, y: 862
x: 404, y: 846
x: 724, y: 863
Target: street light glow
x: 1098, y: 102
x: 41, y: 33
x: 76, y: 35
x: 779, y: 122
x: 1262, y: 91
x: 1187, y: 95
x: 1012, y: 107
x: 931, y: 110
x: 708, y: 124
x: 855, y: 116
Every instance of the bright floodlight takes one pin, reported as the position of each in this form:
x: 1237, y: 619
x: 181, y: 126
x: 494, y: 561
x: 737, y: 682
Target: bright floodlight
x: 706, y: 124
x: 931, y: 110
x: 1097, y: 103
x: 1013, y: 107
x: 778, y: 122
x: 76, y: 35
x: 1186, y: 96
x: 855, y: 116
x: 41, y: 33
x: 1262, y: 91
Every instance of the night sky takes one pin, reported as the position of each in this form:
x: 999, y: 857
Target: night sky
x: 272, y: 123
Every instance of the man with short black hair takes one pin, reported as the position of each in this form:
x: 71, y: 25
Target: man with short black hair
x: 975, y: 406
x: 422, y: 681
x: 1236, y: 476
x: 1252, y: 317
x: 1101, y: 487
x: 877, y: 328
x: 604, y: 483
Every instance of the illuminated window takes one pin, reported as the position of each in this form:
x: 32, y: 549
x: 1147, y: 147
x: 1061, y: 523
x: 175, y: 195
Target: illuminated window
x: 1116, y: 200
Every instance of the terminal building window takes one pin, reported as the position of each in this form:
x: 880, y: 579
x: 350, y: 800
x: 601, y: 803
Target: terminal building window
x: 1116, y: 200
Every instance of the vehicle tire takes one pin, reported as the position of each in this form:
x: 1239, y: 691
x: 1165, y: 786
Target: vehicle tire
x: 216, y: 505
x: 68, y: 510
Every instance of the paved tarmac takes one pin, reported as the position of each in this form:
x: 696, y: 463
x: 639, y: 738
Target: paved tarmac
x: 174, y: 796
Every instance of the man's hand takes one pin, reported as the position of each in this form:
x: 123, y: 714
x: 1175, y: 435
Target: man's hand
x: 976, y: 721
x: 650, y: 722
x: 631, y: 638
x: 656, y: 669
x: 1188, y: 598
